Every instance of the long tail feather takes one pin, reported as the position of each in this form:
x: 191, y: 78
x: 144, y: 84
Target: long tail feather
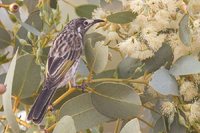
x: 41, y: 104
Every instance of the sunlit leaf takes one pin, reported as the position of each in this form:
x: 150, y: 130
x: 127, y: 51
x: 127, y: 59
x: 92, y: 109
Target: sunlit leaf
x: 132, y: 125
x: 5, y: 39
x: 85, y: 10
x: 7, y: 97
x: 164, y: 83
x: 122, y: 17
x: 27, y: 76
x: 65, y: 124
x: 129, y: 68
x: 96, y: 55
x: 116, y: 100
x: 83, y: 112
x: 184, y: 30
x: 185, y: 65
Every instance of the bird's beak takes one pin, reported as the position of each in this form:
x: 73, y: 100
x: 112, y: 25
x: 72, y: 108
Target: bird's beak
x: 98, y: 21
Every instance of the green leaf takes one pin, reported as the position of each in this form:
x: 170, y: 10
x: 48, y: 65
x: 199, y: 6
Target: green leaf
x: 114, y: 6
x: 82, y: 69
x: 105, y: 74
x: 33, y: 20
x: 83, y: 112
x: 7, y: 97
x: 27, y: 76
x: 5, y: 39
x: 160, y: 126
x: 96, y: 55
x: 132, y: 125
x: 53, y: 4
x: 31, y: 5
x: 163, y: 57
x: 185, y: 65
x: 85, y: 10
x: 30, y: 29
x: 184, y: 31
x: 65, y: 124
x: 4, y: 59
x: 122, y: 17
x: 176, y: 127
x: 164, y: 83
x: 116, y: 100
x: 129, y: 68
x: 2, y: 77
x: 33, y: 129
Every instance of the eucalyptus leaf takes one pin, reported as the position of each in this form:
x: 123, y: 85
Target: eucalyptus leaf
x: 53, y: 4
x: 113, y: 6
x: 4, y: 59
x: 163, y: 57
x: 33, y: 20
x: 27, y: 76
x: 96, y: 54
x: 164, y: 83
x: 30, y: 29
x: 83, y: 112
x: 85, y: 10
x: 185, y: 65
x: 176, y: 127
x: 160, y: 126
x: 7, y: 97
x: 184, y: 30
x: 82, y: 69
x: 105, y: 74
x: 130, y: 68
x: 65, y: 124
x: 116, y: 100
x: 31, y: 5
x: 2, y: 78
x: 132, y: 125
x: 122, y: 17
x: 5, y: 39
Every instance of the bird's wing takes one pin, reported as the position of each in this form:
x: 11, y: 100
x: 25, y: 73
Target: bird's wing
x: 58, y: 66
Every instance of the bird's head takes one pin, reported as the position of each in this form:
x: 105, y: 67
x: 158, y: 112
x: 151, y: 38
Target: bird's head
x: 83, y: 24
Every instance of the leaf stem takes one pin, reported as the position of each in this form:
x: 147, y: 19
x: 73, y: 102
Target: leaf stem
x: 51, y: 128
x: 145, y: 122
x: 4, y: 5
x: 68, y: 92
x: 117, y: 126
x: 120, y: 80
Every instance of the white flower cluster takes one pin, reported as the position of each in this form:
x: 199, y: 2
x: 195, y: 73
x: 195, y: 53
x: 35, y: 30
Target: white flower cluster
x: 188, y: 90
x: 157, y: 22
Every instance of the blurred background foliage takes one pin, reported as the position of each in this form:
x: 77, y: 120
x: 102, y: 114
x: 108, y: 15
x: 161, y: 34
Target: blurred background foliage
x: 142, y: 66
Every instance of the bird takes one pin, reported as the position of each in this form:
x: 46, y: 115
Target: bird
x: 63, y: 59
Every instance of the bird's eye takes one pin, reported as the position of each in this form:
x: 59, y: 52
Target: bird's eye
x: 85, y: 23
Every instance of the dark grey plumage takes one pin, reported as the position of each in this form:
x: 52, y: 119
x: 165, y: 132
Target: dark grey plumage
x: 62, y: 63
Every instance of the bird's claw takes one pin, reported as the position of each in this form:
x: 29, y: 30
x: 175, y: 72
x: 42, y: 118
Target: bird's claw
x: 83, y: 86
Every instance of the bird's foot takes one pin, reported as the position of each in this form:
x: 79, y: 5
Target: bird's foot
x: 51, y: 108
x: 83, y: 86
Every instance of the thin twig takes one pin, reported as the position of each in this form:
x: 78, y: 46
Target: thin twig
x: 119, y: 80
x: 117, y: 126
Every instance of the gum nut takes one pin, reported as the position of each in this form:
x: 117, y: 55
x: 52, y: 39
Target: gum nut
x: 2, y: 88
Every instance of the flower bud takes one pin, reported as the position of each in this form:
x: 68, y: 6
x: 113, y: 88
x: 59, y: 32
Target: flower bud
x: 2, y: 89
x: 14, y: 7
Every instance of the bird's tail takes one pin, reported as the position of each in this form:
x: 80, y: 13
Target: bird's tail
x: 41, y: 104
